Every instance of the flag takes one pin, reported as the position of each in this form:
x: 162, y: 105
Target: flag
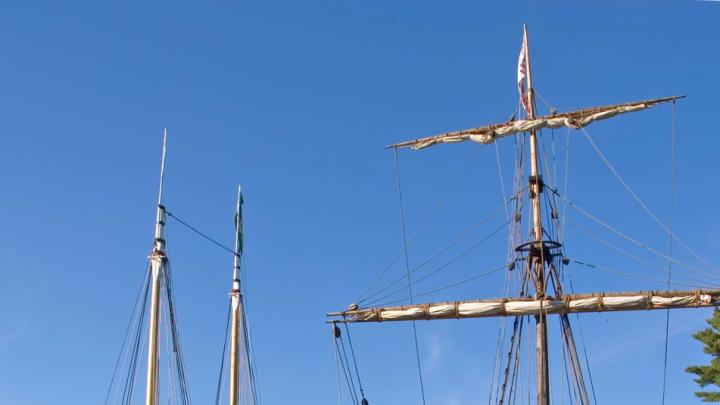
x: 239, y: 222
x: 522, y: 73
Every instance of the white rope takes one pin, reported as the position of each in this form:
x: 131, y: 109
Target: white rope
x: 628, y: 238
x: 626, y: 253
x: 642, y: 204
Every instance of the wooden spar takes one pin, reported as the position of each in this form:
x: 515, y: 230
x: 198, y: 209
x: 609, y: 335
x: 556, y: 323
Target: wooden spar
x: 538, y: 262
x: 235, y: 308
x: 519, y: 306
x: 571, y: 115
x: 157, y: 263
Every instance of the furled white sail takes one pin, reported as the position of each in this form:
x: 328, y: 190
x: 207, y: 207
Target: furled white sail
x: 525, y: 306
x: 573, y: 119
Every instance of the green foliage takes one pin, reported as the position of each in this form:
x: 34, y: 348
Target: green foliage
x: 710, y: 374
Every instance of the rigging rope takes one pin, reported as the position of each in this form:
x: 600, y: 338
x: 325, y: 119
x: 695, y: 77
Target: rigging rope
x: 502, y: 181
x: 670, y: 246
x: 582, y: 341
x: 407, y: 269
x: 441, y: 267
x: 222, y: 359
x: 513, y: 356
x: 435, y: 255
x: 642, y: 204
x: 628, y: 238
x: 626, y: 253
x: 249, y: 352
x: 437, y: 269
x: 357, y: 372
x: 565, y: 188
x: 467, y: 280
x: 427, y: 221
x: 337, y: 367
x: 131, y: 328
x: 639, y: 276
x: 497, y: 358
x: 192, y: 228
x: 352, y: 380
x: 346, y: 373
x: 175, y: 336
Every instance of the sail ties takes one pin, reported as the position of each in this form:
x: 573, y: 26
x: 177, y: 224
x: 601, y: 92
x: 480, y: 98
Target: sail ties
x: 512, y: 128
x: 644, y: 300
x: 573, y: 119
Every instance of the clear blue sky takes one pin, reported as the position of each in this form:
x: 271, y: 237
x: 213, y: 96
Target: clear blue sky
x: 295, y: 100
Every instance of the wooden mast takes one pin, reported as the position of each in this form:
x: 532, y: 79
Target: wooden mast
x: 540, y: 253
x: 235, y: 307
x: 157, y: 264
x: 537, y: 264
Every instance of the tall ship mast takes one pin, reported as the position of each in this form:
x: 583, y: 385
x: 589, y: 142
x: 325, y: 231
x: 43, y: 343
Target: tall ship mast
x: 540, y: 257
x: 158, y: 274
x: 153, y: 329
x: 243, y: 387
x: 153, y: 326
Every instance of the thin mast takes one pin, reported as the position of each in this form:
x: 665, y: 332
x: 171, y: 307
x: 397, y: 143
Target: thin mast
x: 537, y: 264
x: 235, y: 306
x: 157, y: 262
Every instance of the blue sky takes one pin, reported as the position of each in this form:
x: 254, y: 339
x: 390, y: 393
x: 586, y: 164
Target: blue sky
x: 295, y: 101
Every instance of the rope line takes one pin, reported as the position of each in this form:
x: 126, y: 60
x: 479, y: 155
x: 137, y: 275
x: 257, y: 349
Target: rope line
x: 582, y: 341
x: 565, y: 187
x: 426, y: 293
x: 337, y: 367
x: 670, y: 246
x: 202, y: 234
x: 426, y: 222
x: 642, y: 204
x: 440, y: 252
x: 630, y: 239
x: 130, y: 329
x: 407, y: 269
x: 352, y: 352
x: 640, y: 276
x: 222, y: 359
x: 346, y: 372
x: 175, y: 337
x: 626, y: 253
x: 352, y: 380
x: 441, y: 267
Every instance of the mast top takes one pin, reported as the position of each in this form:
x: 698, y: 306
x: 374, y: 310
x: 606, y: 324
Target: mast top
x: 238, y: 236
x: 162, y: 166
x: 528, y: 96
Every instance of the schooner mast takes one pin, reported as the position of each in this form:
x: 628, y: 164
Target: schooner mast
x: 157, y: 266
x: 235, y: 302
x: 540, y: 253
x: 242, y: 387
